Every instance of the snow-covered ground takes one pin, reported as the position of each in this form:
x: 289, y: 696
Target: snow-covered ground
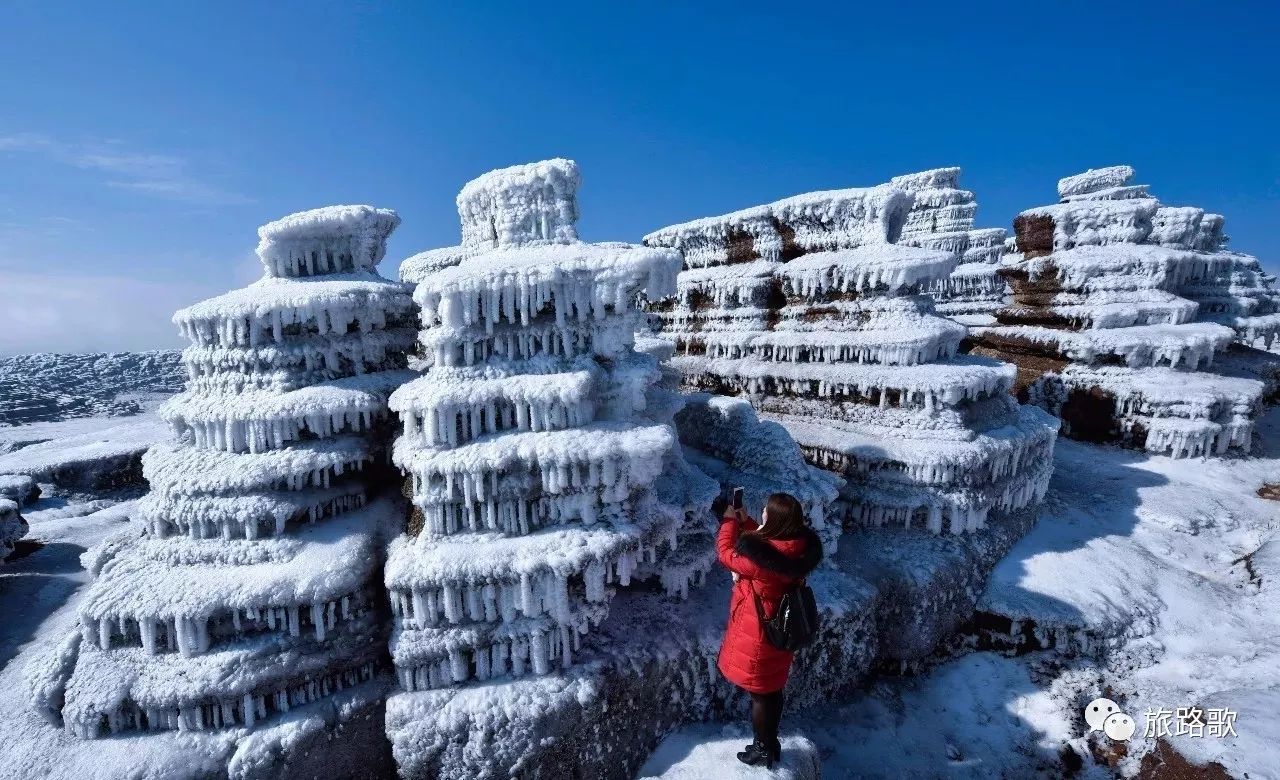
x: 708, y: 750
x: 1154, y: 580
x: 54, y: 387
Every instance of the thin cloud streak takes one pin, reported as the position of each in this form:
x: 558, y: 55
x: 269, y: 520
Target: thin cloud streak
x: 159, y: 175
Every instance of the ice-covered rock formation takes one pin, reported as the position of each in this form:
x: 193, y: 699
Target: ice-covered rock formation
x: 247, y: 582
x: 941, y: 217
x: 12, y: 527
x: 807, y: 307
x: 725, y: 438
x: 1107, y: 294
x: 529, y: 441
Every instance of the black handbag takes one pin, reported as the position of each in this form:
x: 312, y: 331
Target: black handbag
x: 795, y: 624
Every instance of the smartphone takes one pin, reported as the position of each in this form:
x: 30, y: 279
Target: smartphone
x: 737, y: 498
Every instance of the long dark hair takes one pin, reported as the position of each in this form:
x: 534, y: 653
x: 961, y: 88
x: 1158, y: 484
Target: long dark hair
x: 786, y: 518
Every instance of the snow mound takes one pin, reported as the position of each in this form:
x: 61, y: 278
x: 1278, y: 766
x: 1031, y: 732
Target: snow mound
x: 12, y: 527
x: 21, y: 489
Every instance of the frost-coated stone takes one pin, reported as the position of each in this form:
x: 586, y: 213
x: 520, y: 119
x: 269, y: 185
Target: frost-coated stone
x: 12, y: 527
x: 245, y: 584
x: 19, y: 488
x: 1120, y: 305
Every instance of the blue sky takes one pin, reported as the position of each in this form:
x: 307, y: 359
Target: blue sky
x: 142, y: 144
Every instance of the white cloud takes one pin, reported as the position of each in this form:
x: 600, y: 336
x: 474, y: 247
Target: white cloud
x: 160, y: 175
x: 44, y: 313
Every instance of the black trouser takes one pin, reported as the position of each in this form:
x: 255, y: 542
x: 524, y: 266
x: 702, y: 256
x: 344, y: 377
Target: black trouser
x: 766, y: 714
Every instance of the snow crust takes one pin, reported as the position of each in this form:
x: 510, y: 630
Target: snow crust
x: 415, y: 268
x: 701, y: 752
x: 57, y: 387
x: 1158, y: 577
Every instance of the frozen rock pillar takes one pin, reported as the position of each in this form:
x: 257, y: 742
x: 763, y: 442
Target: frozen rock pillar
x: 248, y: 584
x: 531, y: 459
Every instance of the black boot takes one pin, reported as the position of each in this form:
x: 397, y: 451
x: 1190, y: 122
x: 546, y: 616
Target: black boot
x: 759, y: 754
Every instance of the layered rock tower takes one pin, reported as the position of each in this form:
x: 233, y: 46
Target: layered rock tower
x: 530, y: 449
x: 1104, y: 326
x: 941, y: 217
x: 806, y: 307
x: 247, y: 585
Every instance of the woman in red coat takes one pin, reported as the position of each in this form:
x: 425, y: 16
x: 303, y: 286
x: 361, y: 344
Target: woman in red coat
x: 766, y: 561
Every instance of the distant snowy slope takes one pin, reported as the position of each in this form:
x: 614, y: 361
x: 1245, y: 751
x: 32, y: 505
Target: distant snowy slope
x: 48, y: 387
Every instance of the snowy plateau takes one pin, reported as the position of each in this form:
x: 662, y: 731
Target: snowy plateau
x: 458, y: 525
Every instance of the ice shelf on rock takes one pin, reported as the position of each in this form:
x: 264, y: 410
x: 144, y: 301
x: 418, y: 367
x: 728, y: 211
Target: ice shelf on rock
x: 1095, y: 180
x: 329, y: 240
x: 1183, y: 413
x: 1115, y: 294
x: 537, y: 443
x: 246, y: 583
x: 784, y: 229
x: 941, y: 218
x: 837, y: 340
x: 415, y: 268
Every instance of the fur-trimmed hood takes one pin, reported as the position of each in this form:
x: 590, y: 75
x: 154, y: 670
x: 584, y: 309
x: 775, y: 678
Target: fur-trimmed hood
x: 763, y: 554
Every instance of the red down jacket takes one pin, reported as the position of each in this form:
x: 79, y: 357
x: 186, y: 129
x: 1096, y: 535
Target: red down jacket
x: 767, y: 567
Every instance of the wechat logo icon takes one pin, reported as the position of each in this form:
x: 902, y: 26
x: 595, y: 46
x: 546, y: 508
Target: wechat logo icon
x: 1104, y: 715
